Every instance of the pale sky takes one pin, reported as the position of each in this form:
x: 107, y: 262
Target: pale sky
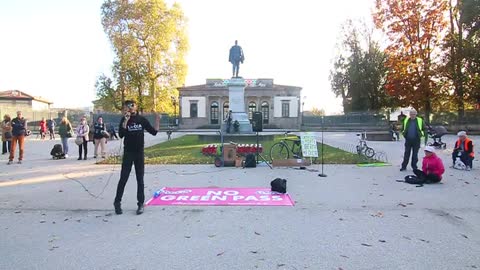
x: 57, y: 48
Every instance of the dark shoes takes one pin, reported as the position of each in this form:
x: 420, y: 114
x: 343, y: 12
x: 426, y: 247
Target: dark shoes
x: 85, y: 158
x: 118, y: 209
x: 140, y: 210
x: 80, y: 158
x: 403, y: 169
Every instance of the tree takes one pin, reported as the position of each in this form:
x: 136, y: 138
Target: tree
x: 358, y: 74
x: 415, y: 29
x: 150, y: 44
x: 317, y: 112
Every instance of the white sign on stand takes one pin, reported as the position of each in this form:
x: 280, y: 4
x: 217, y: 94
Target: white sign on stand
x: 309, y: 145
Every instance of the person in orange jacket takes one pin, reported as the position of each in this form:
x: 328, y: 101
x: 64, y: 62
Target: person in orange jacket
x: 464, y: 150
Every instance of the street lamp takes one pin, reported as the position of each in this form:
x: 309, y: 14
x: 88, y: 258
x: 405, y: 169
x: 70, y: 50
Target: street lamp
x: 174, y: 102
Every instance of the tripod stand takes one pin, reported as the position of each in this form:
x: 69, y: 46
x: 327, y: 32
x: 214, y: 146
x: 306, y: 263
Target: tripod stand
x: 260, y: 155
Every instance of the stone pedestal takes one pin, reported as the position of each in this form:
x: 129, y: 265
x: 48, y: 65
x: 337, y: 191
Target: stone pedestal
x: 236, y: 95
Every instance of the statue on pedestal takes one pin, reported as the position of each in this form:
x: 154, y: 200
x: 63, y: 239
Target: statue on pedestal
x: 236, y: 57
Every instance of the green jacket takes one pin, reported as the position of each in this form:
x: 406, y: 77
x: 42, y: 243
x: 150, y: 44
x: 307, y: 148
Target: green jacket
x: 64, y: 129
x: 421, y: 127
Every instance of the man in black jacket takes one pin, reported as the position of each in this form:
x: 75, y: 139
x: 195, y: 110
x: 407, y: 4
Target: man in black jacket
x: 413, y: 130
x: 132, y: 128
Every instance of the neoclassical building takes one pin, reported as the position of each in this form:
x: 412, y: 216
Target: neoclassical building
x: 206, y: 105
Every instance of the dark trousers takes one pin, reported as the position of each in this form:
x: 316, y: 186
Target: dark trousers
x: 52, y: 133
x: 6, y: 147
x: 411, y: 145
x: 464, y: 157
x: 138, y: 159
x: 84, y: 146
x: 429, y: 178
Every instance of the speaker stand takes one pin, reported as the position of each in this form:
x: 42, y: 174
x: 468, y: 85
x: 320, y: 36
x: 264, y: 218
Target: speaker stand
x: 260, y: 155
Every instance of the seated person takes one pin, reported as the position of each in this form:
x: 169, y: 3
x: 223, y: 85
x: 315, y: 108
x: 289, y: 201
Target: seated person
x: 464, y: 150
x: 432, y: 167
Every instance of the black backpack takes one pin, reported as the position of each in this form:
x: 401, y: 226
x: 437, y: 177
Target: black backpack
x: 250, y: 161
x: 57, y: 151
x: 279, y: 185
x: 414, y: 180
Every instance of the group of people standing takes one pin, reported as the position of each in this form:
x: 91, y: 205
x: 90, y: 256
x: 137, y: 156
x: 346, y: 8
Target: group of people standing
x: 414, y: 130
x: 15, y: 130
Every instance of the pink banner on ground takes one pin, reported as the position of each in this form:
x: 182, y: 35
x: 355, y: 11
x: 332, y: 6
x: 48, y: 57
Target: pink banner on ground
x: 220, y: 196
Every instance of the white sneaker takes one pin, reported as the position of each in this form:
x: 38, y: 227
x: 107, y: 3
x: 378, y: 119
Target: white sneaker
x: 468, y: 168
x: 66, y: 155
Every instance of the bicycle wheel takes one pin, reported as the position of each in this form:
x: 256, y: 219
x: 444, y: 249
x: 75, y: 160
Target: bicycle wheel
x: 279, y: 151
x: 369, y: 152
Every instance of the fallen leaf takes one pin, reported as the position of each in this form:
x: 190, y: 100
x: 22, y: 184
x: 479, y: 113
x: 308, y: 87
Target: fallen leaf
x: 60, y: 190
x: 367, y: 245
x: 257, y: 233
x: 17, y: 212
x: 97, y: 216
x: 109, y: 214
x: 254, y: 252
x: 423, y: 240
x: 212, y: 235
x: 65, y: 219
x: 42, y: 221
x: 78, y: 220
x: 341, y: 219
x: 221, y: 253
x: 408, y: 238
x: 105, y: 220
x: 345, y: 256
x: 466, y: 237
x: 404, y: 215
x: 458, y: 217
x: 402, y: 205
x: 466, y: 182
x: 409, y: 203
x: 382, y: 241
x: 188, y: 236
x: 280, y: 264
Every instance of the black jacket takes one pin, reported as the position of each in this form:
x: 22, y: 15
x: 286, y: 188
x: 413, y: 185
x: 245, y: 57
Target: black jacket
x: 19, y: 126
x: 133, y: 134
x: 97, y: 130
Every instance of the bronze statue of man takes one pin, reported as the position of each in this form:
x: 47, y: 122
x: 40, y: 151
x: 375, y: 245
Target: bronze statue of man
x: 236, y: 57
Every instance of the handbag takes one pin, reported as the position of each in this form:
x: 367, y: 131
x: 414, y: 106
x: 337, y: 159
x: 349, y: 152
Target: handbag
x: 8, y: 135
x: 79, y: 140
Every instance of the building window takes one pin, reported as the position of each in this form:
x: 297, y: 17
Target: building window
x: 214, y: 113
x: 226, y: 107
x: 285, y: 108
x: 265, y: 111
x: 252, y: 107
x: 193, y: 110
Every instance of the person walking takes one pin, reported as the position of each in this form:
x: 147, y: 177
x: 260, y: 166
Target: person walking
x: 432, y: 167
x: 65, y: 131
x: 111, y: 131
x: 51, y: 128
x: 82, y: 132
x: 413, y: 131
x: 464, y: 150
x: 132, y: 127
x: 43, y: 128
x: 99, y: 139
x: 6, y: 134
x: 19, y: 131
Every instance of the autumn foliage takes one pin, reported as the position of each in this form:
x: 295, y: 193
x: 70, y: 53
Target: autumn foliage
x: 415, y: 29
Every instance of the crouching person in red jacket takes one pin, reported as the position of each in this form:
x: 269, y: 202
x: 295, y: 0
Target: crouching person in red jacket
x: 432, y: 167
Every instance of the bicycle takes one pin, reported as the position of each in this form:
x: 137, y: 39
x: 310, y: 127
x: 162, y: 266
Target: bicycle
x: 281, y: 150
x: 362, y: 147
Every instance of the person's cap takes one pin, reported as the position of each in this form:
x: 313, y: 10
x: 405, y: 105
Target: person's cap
x: 462, y: 133
x: 128, y: 102
x: 429, y: 149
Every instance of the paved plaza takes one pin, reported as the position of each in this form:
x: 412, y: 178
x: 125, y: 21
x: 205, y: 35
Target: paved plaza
x: 59, y: 215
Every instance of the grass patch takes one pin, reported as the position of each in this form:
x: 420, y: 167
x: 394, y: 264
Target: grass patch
x: 187, y: 150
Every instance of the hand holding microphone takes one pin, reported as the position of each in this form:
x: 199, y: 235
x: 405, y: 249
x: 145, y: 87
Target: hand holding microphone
x: 127, y: 117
